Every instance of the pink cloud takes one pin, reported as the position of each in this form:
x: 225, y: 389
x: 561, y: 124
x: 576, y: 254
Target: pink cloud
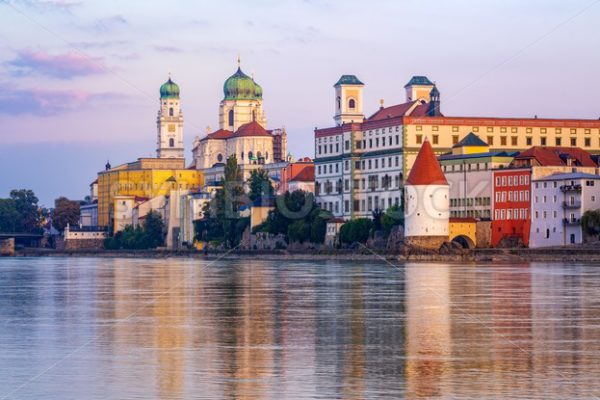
x: 61, y: 66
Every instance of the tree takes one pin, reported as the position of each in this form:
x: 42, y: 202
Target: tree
x: 393, y: 216
x: 65, y: 212
x: 26, y: 204
x: 259, y: 184
x: 9, y: 216
x: 153, y: 230
x: 356, y: 230
x: 590, y: 222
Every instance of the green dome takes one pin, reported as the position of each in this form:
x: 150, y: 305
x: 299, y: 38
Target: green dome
x: 240, y: 86
x: 169, y: 90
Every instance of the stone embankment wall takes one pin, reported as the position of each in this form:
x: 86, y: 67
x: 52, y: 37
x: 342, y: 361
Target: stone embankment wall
x: 7, y: 247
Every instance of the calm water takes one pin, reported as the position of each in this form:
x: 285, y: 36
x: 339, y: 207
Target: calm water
x: 173, y: 329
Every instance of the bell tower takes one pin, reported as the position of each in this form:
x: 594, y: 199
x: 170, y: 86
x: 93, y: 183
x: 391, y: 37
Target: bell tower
x: 169, y: 122
x: 348, y: 100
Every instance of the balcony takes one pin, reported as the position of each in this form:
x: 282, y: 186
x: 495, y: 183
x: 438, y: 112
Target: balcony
x: 570, y: 188
x: 570, y: 205
x: 571, y: 221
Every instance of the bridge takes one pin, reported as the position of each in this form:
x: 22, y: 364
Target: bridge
x: 23, y: 239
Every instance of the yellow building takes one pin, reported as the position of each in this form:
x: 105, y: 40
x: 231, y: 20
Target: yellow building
x: 143, y: 179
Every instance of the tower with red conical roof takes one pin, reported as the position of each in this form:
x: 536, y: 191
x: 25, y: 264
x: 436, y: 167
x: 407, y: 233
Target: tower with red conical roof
x: 426, y: 208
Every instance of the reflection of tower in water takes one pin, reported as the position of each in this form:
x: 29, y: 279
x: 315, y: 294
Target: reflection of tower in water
x: 427, y: 330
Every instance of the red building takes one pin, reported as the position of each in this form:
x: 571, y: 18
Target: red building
x: 511, y: 212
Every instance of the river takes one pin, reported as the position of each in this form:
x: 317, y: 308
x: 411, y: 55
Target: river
x: 100, y: 328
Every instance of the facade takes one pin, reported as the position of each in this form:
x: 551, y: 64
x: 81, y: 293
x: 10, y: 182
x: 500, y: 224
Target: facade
x: 332, y: 232
x: 369, y: 157
x: 298, y: 175
x: 80, y: 238
x: 558, y: 203
x: 169, y: 123
x: 511, y: 212
x: 242, y: 129
x: 88, y: 215
x: 426, y: 193
x: 469, y: 169
x: 122, y: 187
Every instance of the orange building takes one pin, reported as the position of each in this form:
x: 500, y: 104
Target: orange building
x: 299, y: 175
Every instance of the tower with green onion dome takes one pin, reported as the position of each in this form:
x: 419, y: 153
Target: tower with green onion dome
x: 242, y: 101
x: 169, y: 122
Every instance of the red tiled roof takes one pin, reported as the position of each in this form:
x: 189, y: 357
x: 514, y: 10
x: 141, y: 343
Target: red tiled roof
x: 251, y: 129
x: 551, y: 156
x: 220, y: 134
x: 398, y: 110
x: 426, y: 170
x: 306, y: 174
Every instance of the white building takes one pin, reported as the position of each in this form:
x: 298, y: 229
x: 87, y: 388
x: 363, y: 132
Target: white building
x: 426, y: 195
x: 359, y: 163
x: 557, y: 204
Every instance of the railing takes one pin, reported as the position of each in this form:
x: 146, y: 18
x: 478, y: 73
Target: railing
x: 570, y: 188
x: 571, y: 221
x: 568, y: 204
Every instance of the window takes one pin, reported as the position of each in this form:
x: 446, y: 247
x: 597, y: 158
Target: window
x: 347, y: 145
x: 503, y: 130
x: 435, y: 128
x: 558, y: 141
x: 351, y: 104
x: 513, y: 140
x: 528, y: 140
x: 502, y: 140
x: 454, y: 139
x: 171, y: 142
x: 419, y: 128
x: 230, y: 118
x: 219, y: 157
x: 435, y: 139
x: 543, y: 141
x: 170, y: 111
x: 475, y: 129
x: 529, y: 130
x: 419, y: 139
x: 490, y: 140
x: 490, y: 129
x: 455, y: 129
x: 587, y: 142
x: 574, y: 141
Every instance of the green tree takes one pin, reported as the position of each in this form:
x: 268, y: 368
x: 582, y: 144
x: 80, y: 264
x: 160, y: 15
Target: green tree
x: 259, y: 184
x: 590, y: 222
x: 153, y: 229
x: 356, y: 230
x: 299, y: 231
x: 26, y: 204
x: 393, y: 216
x: 9, y: 216
x: 65, y: 212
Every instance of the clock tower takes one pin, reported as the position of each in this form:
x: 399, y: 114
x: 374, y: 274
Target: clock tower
x: 169, y: 122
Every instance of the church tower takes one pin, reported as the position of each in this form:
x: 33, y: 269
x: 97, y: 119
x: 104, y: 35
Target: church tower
x: 169, y: 122
x: 242, y: 102
x: 348, y: 100
x: 426, y: 196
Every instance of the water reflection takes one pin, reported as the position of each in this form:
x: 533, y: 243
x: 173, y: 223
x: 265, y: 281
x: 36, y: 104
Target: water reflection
x: 170, y: 329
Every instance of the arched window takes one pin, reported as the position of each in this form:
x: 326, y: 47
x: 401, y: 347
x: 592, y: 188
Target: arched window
x: 230, y: 117
x: 249, y: 155
x: 242, y: 155
x: 339, y: 102
x: 170, y: 111
x: 253, y: 115
x: 171, y: 142
x: 352, y: 104
x: 219, y: 157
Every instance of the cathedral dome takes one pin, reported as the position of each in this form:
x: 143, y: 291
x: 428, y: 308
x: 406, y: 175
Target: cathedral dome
x: 240, y: 86
x: 169, y: 90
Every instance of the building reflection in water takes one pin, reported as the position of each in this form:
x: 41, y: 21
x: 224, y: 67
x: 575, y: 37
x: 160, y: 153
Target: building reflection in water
x: 250, y: 330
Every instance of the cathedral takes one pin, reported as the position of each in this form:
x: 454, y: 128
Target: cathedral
x: 242, y: 129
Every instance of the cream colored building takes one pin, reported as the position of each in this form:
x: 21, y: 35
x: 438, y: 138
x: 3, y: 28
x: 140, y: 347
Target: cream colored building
x: 361, y: 163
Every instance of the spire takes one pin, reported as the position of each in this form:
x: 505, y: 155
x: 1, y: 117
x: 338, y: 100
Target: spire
x: 426, y: 170
x: 239, y: 61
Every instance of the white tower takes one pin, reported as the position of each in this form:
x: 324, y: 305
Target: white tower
x: 426, y: 202
x: 169, y: 122
x: 348, y: 100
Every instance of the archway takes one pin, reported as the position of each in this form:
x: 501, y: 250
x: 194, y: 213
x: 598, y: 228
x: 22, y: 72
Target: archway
x: 464, y: 241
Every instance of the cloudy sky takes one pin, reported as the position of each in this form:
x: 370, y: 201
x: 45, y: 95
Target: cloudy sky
x: 80, y: 79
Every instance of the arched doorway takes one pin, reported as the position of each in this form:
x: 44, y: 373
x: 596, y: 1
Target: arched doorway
x: 464, y: 241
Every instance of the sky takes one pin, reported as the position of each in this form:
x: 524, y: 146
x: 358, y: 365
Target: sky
x: 79, y: 79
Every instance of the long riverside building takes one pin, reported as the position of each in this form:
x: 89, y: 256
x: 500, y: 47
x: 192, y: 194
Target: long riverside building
x: 361, y: 163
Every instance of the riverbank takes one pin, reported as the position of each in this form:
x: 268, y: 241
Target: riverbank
x: 580, y: 253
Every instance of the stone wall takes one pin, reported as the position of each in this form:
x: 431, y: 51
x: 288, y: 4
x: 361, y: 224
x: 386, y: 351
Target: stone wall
x: 483, y: 232
x: 425, y: 242
x: 7, y: 247
x: 83, y: 244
